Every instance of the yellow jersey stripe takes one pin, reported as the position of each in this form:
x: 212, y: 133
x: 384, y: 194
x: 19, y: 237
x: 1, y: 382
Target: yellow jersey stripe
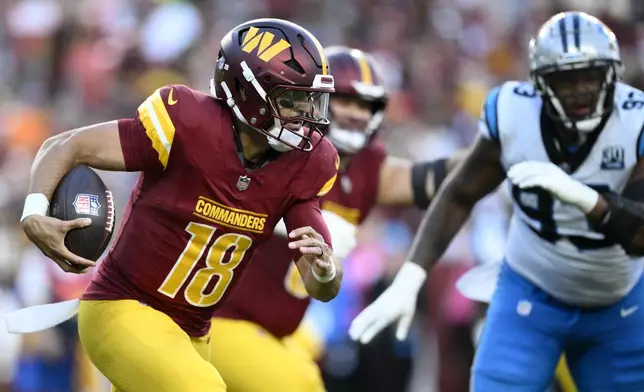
x: 327, y: 186
x: 351, y: 215
x: 158, y: 125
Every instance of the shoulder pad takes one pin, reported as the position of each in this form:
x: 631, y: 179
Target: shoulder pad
x: 192, y: 106
x: 175, y: 112
x: 158, y: 114
x: 629, y: 104
x: 325, y: 161
x: 501, y: 100
x: 376, y: 145
x: 372, y: 156
x: 628, y: 98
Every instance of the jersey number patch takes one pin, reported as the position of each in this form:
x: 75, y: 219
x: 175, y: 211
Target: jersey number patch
x: 224, y: 255
x: 525, y: 90
x: 538, y: 204
x: 634, y: 101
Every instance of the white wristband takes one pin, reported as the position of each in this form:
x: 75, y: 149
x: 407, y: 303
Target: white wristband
x: 326, y: 278
x: 35, y: 204
x: 587, y: 198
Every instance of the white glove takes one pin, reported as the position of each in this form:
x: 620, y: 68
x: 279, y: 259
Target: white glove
x: 343, y: 234
x: 550, y: 177
x: 397, y: 303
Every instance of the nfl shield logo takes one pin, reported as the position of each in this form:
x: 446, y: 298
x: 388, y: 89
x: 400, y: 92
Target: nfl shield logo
x: 243, y: 182
x: 86, y: 204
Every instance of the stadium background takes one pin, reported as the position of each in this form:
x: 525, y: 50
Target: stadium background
x: 67, y: 63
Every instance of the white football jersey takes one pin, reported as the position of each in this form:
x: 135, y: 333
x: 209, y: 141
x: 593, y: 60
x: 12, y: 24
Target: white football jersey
x: 549, y: 242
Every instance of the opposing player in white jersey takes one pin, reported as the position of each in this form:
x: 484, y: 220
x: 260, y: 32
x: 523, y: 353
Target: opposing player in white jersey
x: 572, y: 145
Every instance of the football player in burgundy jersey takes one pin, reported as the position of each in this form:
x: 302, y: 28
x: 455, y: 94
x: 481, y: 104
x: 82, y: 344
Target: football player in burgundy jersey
x: 248, y: 340
x: 218, y: 172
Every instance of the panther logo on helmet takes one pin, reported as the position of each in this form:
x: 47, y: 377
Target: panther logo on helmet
x: 275, y: 77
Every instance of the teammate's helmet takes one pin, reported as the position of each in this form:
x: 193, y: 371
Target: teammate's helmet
x: 356, y: 78
x: 275, y: 77
x: 575, y: 64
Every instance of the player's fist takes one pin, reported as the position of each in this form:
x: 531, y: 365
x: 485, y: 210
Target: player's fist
x: 547, y: 175
x: 48, y: 234
x: 312, y: 246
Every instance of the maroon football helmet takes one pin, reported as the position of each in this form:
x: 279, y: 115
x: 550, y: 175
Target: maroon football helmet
x: 275, y: 77
x: 357, y: 79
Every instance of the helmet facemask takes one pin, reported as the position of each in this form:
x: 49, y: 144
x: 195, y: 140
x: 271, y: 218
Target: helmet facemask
x: 288, y: 115
x: 298, y: 113
x: 578, y: 95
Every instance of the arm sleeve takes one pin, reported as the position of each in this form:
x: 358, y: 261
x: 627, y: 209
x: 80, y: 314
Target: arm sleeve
x: 329, y: 178
x: 137, y: 150
x: 489, y: 121
x: 307, y: 213
x: 147, y: 139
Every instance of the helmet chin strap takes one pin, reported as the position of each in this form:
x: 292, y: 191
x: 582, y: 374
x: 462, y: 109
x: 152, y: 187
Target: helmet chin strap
x: 586, y: 125
x: 277, y: 130
x: 353, y: 140
x: 589, y: 124
x: 286, y: 135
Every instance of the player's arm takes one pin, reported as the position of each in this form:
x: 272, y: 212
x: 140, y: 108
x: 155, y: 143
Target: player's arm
x: 479, y: 174
x: 131, y: 144
x: 621, y: 217
x: 311, y: 244
x: 134, y: 144
x: 402, y: 182
x: 97, y: 146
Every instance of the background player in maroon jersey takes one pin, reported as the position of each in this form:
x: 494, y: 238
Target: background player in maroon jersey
x: 217, y: 175
x: 248, y: 340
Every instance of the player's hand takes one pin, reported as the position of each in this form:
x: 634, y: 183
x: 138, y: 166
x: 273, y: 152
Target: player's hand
x: 312, y: 246
x: 48, y: 234
x: 550, y: 177
x: 397, y: 303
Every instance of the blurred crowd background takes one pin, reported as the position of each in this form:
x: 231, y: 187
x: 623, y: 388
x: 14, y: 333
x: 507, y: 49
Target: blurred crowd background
x: 68, y: 63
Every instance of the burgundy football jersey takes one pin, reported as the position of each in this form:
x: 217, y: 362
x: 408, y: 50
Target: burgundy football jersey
x: 272, y: 293
x: 197, y: 215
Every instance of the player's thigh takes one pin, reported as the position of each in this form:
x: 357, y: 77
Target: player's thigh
x: 140, y: 349
x: 306, y: 341
x: 251, y: 360
x: 616, y: 366
x: 611, y: 358
x: 520, y: 345
x: 564, y: 379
